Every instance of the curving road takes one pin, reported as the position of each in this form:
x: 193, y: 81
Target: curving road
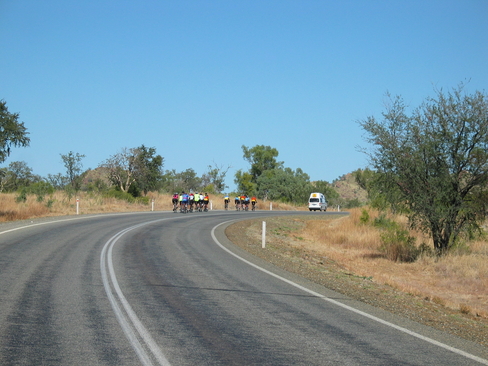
x: 169, y: 289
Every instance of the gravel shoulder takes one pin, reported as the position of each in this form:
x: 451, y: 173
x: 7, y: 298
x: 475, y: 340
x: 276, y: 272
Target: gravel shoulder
x: 281, y: 252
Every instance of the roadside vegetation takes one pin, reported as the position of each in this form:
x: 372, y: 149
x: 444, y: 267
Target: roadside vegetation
x: 383, y: 249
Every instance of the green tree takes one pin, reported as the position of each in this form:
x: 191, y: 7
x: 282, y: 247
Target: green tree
x: 58, y: 181
x: 19, y: 175
x: 41, y: 189
x: 434, y: 162
x: 12, y: 132
x: 261, y: 158
x: 148, y: 172
x: 188, y: 180
x: 379, y: 197
x: 3, y: 178
x: 285, y: 185
x: 215, y: 178
x: 244, y: 183
x: 122, y: 168
x: 169, y: 181
x: 73, y: 165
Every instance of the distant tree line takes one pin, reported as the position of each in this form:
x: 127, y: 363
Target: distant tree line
x: 139, y: 170
x: 269, y: 179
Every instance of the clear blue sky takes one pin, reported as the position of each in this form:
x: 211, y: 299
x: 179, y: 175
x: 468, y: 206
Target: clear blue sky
x: 198, y: 79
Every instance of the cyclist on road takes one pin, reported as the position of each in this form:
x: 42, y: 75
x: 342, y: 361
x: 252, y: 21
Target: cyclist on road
x: 253, y: 202
x: 226, y: 201
x: 175, y: 200
x: 206, y: 199
x: 242, y: 200
x: 196, y: 201
x: 183, y: 201
x: 201, y: 202
x: 246, y: 202
x: 191, y: 198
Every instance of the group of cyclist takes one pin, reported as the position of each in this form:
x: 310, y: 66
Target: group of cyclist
x: 186, y: 202
x: 242, y: 202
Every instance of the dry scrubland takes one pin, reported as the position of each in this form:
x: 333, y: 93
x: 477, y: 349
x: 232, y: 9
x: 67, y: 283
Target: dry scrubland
x: 458, y: 280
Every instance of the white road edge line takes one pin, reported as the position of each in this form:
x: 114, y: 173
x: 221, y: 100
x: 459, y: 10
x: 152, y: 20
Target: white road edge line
x: 106, y: 261
x: 325, y: 298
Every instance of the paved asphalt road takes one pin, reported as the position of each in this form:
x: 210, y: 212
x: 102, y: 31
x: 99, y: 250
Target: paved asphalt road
x: 160, y: 288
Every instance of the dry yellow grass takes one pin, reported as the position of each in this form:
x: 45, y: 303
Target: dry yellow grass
x: 457, y: 281
x: 58, y: 204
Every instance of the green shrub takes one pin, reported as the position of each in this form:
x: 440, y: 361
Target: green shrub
x: 97, y: 186
x: 40, y: 189
x: 123, y: 196
x: 383, y: 222
x: 143, y: 200
x: 22, y: 197
x: 364, y: 218
x: 352, y: 203
x: 398, y: 246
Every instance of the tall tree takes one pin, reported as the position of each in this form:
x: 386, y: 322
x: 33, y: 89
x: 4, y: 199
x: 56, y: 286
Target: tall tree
x: 434, y: 162
x: 148, y: 170
x: 122, y: 168
x: 72, y: 163
x: 188, y: 180
x: 215, y: 178
x: 370, y: 180
x: 12, y: 132
x: 284, y: 184
x: 261, y: 158
x: 244, y: 182
x: 3, y: 178
x: 58, y: 181
x: 19, y: 175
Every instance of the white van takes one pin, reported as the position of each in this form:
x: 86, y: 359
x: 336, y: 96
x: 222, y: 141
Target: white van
x: 316, y: 202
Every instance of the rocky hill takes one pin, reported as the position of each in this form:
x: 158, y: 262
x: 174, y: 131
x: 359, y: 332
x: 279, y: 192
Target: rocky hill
x: 348, y: 189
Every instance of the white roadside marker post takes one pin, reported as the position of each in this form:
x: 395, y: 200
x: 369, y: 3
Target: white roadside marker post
x: 263, y: 238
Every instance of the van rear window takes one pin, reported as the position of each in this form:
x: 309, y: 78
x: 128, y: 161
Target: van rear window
x: 314, y: 200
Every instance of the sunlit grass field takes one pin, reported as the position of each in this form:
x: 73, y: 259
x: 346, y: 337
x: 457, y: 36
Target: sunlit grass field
x: 458, y: 280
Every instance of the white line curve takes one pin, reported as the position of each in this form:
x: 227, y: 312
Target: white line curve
x: 350, y: 308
